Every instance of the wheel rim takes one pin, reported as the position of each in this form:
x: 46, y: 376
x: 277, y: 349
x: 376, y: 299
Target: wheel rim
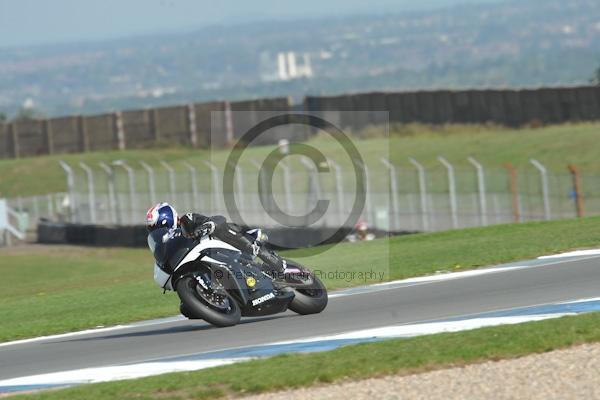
x: 315, y: 290
x: 215, y: 299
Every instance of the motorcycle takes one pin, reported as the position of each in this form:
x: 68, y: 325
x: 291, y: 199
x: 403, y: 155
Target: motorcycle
x: 220, y: 284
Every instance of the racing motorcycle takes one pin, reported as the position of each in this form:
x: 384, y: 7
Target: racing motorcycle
x: 220, y: 284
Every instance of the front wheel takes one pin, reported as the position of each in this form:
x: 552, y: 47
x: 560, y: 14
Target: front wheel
x: 311, y: 299
x: 216, y: 307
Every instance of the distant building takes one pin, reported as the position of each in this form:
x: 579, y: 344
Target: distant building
x: 285, y: 66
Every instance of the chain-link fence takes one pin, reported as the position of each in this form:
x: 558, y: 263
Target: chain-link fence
x: 396, y: 198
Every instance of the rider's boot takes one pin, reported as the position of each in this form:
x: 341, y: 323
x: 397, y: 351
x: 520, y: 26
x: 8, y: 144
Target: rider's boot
x: 273, y: 263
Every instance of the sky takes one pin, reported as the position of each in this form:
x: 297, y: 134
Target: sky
x: 35, y: 22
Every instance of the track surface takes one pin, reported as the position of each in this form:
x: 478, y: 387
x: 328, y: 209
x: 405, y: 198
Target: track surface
x: 536, y: 282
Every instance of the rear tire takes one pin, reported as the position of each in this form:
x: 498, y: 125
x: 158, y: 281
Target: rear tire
x: 310, y: 300
x: 198, y: 308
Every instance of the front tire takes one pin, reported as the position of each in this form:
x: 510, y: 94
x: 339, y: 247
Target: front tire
x: 310, y: 300
x: 198, y: 307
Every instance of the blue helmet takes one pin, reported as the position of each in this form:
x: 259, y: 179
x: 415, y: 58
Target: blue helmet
x: 162, y: 215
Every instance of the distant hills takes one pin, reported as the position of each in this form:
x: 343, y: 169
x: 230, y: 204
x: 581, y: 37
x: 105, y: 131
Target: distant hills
x: 508, y: 44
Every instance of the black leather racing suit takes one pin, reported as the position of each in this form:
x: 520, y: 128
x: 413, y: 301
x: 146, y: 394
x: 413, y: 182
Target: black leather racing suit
x: 195, y: 225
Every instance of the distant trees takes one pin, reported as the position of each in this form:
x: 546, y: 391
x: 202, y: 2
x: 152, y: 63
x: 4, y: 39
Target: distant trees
x: 27, y: 113
x: 3, y: 118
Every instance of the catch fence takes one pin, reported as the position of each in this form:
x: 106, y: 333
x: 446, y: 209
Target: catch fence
x: 407, y: 197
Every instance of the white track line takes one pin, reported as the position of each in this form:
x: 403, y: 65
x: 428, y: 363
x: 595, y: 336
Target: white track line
x: 95, y: 330
x: 342, y: 293
x: 577, y: 253
x: 144, y: 369
x: 114, y: 373
x: 156, y: 367
x: 430, y: 328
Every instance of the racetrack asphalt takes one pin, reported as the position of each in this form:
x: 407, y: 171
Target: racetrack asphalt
x: 509, y: 286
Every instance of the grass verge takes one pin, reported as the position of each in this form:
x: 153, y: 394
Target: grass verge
x: 555, y: 146
x: 400, y: 356
x: 55, y: 289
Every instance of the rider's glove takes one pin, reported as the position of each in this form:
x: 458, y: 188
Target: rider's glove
x: 205, y: 229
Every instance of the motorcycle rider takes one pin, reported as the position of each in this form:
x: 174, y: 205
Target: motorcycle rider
x: 193, y: 225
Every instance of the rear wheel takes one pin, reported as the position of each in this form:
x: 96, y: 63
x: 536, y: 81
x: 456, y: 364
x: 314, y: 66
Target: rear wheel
x: 216, y: 307
x: 311, y: 299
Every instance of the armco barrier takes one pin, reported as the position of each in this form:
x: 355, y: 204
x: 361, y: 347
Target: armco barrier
x: 136, y: 236
x: 51, y: 233
x: 197, y: 125
x: 91, y: 235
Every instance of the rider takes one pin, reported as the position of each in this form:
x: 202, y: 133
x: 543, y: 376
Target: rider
x: 192, y: 225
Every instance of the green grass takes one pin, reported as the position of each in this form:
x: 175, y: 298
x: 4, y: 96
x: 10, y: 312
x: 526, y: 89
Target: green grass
x: 58, y: 289
x: 48, y: 289
x: 556, y: 146
x: 399, y: 356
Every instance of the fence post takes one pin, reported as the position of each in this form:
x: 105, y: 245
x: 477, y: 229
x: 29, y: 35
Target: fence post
x: 215, y: 184
x: 91, y: 191
x: 112, y: 202
x: 286, y: 186
x: 480, y: 189
x: 261, y: 187
x: 119, y: 130
x: 71, y: 189
x: 514, y: 189
x: 422, y: 192
x: 339, y: 188
x: 544, y: 177
x: 577, y: 192
x: 171, y: 174
x: 192, y: 128
x: 315, y: 185
x: 228, y: 124
x: 14, y: 135
x: 394, y: 189
x: 194, y: 182
x: 240, y: 186
x: 368, y: 200
x: 83, y: 133
x: 132, y: 192
x: 451, y: 190
x: 49, y: 135
x: 151, y: 185
x: 238, y: 193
